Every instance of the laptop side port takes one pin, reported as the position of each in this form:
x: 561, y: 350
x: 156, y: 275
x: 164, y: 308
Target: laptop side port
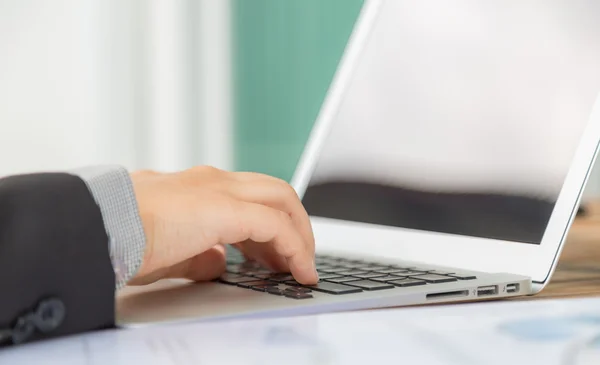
x: 512, y: 288
x: 483, y: 291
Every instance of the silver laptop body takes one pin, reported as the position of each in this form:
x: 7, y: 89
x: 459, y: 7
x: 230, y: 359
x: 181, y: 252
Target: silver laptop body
x: 446, y: 165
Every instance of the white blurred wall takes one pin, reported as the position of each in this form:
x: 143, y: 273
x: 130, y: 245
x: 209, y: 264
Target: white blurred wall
x: 112, y: 81
x: 49, y: 104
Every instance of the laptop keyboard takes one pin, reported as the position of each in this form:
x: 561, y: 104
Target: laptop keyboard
x: 337, y: 276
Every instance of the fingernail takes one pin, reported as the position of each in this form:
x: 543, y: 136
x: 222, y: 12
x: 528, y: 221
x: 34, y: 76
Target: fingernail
x: 315, y: 270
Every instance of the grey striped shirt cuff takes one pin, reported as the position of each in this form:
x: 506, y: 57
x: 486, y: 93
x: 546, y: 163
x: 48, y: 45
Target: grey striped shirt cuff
x: 112, y: 189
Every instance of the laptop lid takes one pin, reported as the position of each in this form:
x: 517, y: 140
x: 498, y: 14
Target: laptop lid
x: 457, y: 133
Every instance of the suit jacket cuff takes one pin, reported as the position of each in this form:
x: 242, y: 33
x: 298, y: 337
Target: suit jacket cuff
x: 112, y: 189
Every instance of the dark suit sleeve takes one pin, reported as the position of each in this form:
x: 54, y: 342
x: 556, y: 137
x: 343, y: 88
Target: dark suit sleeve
x: 56, y: 277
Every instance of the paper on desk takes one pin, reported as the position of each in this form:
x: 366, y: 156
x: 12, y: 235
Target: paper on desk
x: 545, y: 332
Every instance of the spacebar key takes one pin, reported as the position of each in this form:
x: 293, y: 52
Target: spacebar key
x: 333, y: 288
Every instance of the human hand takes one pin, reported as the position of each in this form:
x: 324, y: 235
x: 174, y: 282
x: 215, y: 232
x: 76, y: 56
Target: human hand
x: 188, y: 216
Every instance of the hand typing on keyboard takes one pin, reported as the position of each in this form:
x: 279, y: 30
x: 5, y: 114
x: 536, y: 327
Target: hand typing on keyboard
x: 338, y: 276
x: 188, y: 216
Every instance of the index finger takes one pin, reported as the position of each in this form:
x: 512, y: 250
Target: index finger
x: 260, y: 223
x: 276, y: 193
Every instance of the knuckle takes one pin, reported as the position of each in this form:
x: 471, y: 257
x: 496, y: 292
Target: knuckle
x: 287, y: 247
x: 284, y: 218
x: 205, y: 170
x: 201, y: 175
x: 286, y: 189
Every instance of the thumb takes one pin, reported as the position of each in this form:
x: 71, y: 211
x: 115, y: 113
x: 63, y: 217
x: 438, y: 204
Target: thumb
x: 206, y: 266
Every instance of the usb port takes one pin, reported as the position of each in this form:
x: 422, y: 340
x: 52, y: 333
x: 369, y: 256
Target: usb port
x: 512, y: 288
x: 483, y: 291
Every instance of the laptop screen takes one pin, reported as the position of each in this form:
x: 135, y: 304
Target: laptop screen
x: 462, y: 117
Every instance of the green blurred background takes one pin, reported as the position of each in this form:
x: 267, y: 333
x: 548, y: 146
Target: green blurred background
x: 285, y: 54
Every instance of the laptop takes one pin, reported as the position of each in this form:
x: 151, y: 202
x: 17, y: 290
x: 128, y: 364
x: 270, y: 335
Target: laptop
x: 446, y: 165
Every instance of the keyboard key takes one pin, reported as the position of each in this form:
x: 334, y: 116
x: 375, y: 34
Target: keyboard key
x: 356, y: 262
x: 319, y: 264
x: 346, y: 265
x: 234, y: 279
x: 371, y: 267
x: 293, y: 283
x: 434, y: 279
x: 281, y: 278
x: 234, y: 269
x: 262, y: 276
x: 261, y: 287
x: 326, y: 262
x: 325, y: 276
x: 250, y: 265
x: 407, y: 282
x: 235, y: 259
x: 329, y: 262
x: 410, y: 272
x: 390, y: 270
x: 255, y: 272
x: 274, y: 290
x: 250, y: 284
x: 334, y: 270
x: 440, y: 272
x: 366, y: 263
x: 334, y: 260
x: 351, y: 272
x: 402, y: 267
x: 343, y: 279
x: 370, y: 285
x: 352, y: 263
x: 334, y: 288
x: 243, y: 267
x: 388, y: 278
x: 295, y: 295
x: 369, y: 275
x: 324, y: 267
x: 463, y: 276
x: 279, y: 289
x: 298, y: 289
